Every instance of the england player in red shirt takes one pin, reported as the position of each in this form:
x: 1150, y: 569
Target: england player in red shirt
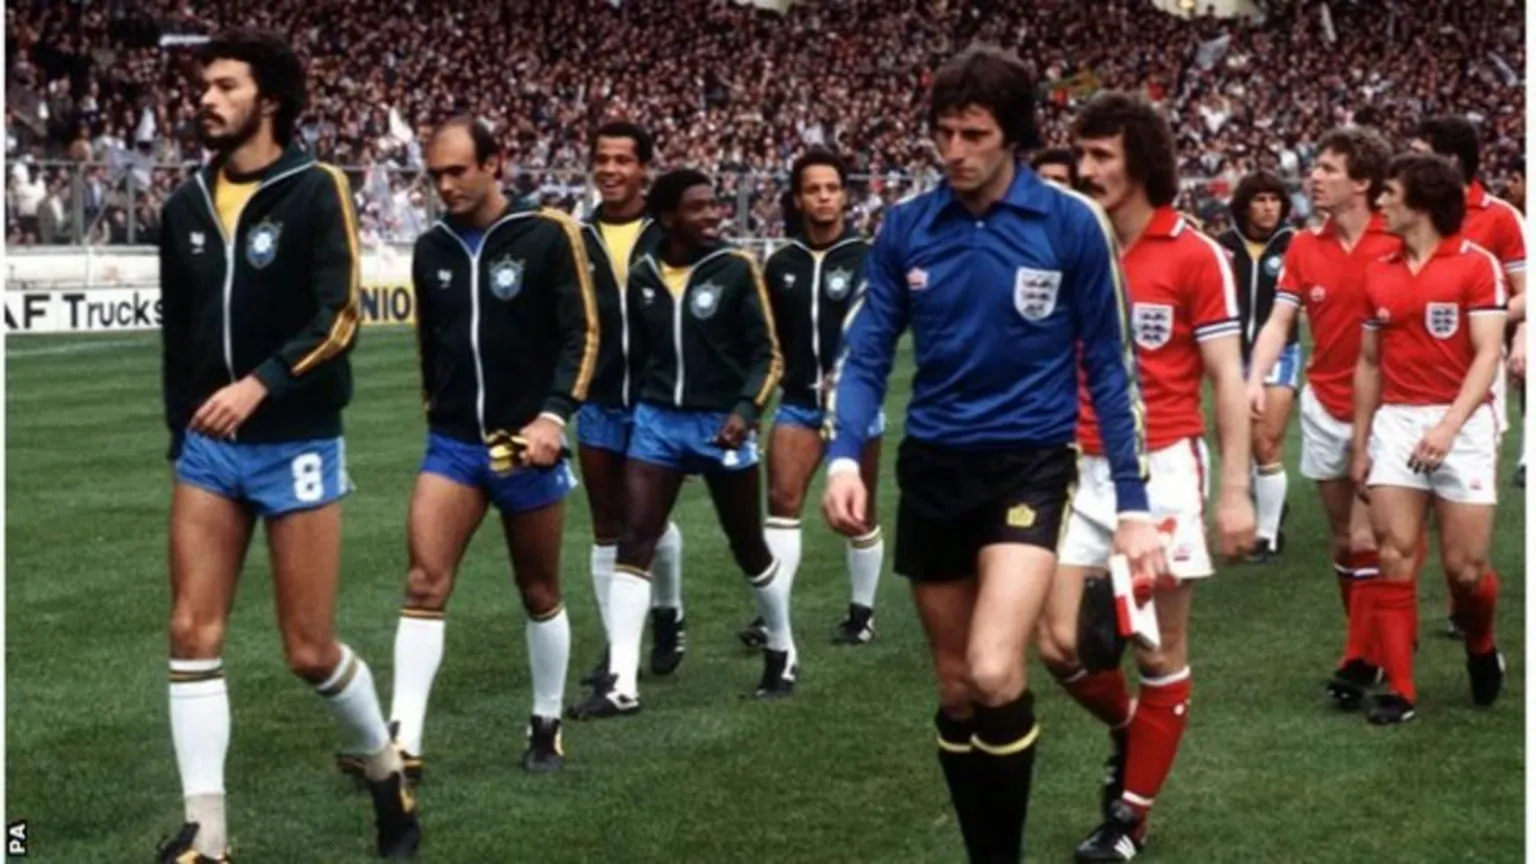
x: 1324, y: 272
x: 1184, y: 315
x: 1495, y: 225
x: 1424, y: 427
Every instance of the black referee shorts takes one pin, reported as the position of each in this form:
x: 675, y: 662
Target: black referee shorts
x: 953, y: 502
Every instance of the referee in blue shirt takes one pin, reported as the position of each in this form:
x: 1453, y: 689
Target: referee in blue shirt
x: 1010, y: 285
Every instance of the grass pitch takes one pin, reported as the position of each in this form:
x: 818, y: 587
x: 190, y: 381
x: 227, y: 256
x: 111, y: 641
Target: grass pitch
x: 844, y: 772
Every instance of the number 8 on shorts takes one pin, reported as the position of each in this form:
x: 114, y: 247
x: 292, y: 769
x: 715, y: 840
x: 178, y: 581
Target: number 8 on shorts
x: 308, y: 484
x: 298, y: 475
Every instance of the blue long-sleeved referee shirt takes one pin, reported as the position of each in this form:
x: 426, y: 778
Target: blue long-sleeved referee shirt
x: 998, y: 306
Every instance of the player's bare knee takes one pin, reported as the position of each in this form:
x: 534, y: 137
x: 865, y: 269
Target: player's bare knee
x: 995, y: 679
x: 1162, y: 661
x: 1463, y: 566
x: 313, y: 659
x: 193, y: 639
x: 428, y: 587
x: 785, y: 501
x: 954, y: 688
x: 1058, y: 649
x: 1396, y: 559
x: 541, y: 597
x: 751, y: 553
x: 607, y: 525
x: 1266, y: 448
x: 1361, y: 540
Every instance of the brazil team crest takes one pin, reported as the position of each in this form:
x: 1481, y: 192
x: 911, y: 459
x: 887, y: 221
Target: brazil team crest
x: 261, y: 243
x: 506, y: 278
x: 838, y: 284
x: 705, y: 300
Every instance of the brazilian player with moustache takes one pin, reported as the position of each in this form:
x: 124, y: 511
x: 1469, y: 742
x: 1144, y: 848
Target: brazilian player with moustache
x: 259, y: 275
x: 706, y: 360
x: 507, y: 329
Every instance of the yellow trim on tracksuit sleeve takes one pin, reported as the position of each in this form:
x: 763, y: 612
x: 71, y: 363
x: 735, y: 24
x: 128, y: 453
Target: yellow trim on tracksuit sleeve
x: 344, y: 328
x: 776, y: 364
x: 588, y: 299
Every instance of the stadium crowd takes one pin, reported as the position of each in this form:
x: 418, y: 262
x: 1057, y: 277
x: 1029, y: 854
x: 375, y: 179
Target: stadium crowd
x: 93, y: 99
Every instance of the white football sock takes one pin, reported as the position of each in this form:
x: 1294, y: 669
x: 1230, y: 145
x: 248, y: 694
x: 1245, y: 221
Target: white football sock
x: 667, y: 570
x: 200, y: 734
x: 865, y: 555
x: 783, y: 537
x: 418, y: 653
x: 355, y: 704
x: 772, y: 594
x: 1269, y: 489
x: 629, y: 599
x: 602, y: 574
x: 549, y: 656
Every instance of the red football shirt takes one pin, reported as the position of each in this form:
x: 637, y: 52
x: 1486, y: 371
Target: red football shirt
x: 1426, y: 343
x: 1328, y: 281
x: 1495, y: 224
x: 1182, y: 292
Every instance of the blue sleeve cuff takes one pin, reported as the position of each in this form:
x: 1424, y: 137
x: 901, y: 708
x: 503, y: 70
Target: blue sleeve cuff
x: 1131, y: 496
x: 844, y: 446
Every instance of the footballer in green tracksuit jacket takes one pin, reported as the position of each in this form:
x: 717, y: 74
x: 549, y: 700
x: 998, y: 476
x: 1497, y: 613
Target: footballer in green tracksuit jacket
x: 707, y: 360
x: 507, y: 327
x: 618, y: 235
x: 259, y: 277
x: 813, y: 280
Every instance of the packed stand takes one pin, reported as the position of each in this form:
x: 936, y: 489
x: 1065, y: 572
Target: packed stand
x: 737, y: 91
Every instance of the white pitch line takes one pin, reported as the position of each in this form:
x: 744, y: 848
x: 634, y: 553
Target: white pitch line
x: 75, y: 348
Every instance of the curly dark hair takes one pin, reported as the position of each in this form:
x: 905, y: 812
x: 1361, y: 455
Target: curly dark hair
x: 275, y: 68
x: 992, y: 79
x: 667, y: 192
x: 1150, y: 155
x: 1249, y: 188
x: 1431, y: 184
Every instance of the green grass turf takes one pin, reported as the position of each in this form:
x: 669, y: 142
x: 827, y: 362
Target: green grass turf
x: 844, y: 772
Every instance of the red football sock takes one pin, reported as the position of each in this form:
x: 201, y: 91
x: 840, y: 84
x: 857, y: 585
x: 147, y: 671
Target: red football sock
x: 1396, y: 620
x: 1152, y: 742
x: 1103, y: 693
x: 1475, y: 605
x: 1364, y: 568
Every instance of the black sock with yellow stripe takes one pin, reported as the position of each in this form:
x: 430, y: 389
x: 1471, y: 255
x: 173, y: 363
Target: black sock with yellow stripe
x: 958, y: 757
x: 1004, y: 743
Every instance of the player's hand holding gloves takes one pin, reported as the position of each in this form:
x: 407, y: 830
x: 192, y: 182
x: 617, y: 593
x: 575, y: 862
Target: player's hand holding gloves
x: 231, y: 406
x: 529, y: 448
x: 544, y: 442
x: 1138, y: 540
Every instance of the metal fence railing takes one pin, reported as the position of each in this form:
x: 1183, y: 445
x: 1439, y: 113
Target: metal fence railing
x: 58, y: 203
